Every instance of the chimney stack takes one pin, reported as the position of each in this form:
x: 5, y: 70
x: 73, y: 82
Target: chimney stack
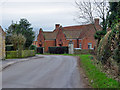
x: 40, y: 30
x: 57, y: 26
x: 96, y: 21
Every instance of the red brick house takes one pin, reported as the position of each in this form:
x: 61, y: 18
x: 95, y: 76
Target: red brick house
x: 82, y: 36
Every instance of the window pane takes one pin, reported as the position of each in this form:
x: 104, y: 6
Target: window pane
x: 89, y: 45
x: 80, y: 46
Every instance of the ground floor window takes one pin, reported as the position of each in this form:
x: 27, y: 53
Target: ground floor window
x: 80, y: 46
x: 90, y: 46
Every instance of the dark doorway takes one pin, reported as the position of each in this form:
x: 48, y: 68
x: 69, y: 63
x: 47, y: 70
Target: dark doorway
x: 60, y: 44
x: 40, y: 45
x: 40, y: 50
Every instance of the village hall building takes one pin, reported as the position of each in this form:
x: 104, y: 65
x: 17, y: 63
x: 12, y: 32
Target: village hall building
x: 82, y: 36
x: 2, y: 43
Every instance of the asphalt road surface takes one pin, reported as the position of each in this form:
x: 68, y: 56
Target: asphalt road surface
x: 48, y: 72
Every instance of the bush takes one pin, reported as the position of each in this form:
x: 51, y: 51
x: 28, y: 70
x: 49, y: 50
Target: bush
x: 58, y: 50
x: 33, y: 47
x: 9, y: 48
x: 16, y: 54
x: 104, y: 52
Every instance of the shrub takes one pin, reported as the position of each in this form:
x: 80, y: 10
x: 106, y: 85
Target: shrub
x: 33, y: 47
x: 58, y: 50
x: 103, y: 52
x: 18, y: 41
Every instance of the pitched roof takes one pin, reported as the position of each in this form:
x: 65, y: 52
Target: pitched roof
x: 50, y: 35
x: 71, y: 32
x: 74, y: 32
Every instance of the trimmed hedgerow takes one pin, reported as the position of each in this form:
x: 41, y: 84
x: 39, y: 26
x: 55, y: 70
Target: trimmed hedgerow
x: 58, y: 50
x: 18, y: 54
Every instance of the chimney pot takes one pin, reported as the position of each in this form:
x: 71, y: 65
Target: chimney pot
x: 96, y: 21
x: 40, y: 30
x: 57, y: 26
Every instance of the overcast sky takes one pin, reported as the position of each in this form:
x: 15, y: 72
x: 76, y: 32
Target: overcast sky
x: 40, y: 13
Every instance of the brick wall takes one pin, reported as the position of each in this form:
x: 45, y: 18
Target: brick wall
x: 49, y: 43
x: 40, y: 39
x: 60, y: 39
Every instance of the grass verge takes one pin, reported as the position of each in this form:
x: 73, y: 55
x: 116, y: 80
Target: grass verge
x: 97, y: 79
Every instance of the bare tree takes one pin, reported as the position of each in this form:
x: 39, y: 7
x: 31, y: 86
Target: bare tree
x: 90, y: 10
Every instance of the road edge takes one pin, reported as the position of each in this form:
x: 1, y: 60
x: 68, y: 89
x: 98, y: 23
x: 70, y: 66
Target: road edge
x: 83, y: 76
x: 14, y: 62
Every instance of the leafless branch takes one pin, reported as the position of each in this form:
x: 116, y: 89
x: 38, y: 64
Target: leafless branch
x: 88, y: 11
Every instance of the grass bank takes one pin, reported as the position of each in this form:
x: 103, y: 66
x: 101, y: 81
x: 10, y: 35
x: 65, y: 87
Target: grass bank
x: 97, y: 79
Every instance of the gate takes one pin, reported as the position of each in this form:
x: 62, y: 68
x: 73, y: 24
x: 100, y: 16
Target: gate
x: 40, y: 50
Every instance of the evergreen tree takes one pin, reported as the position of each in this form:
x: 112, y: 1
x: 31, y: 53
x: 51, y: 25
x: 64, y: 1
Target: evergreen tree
x: 114, y: 17
x: 24, y: 28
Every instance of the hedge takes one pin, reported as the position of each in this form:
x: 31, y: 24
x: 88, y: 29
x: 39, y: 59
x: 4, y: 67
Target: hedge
x: 58, y: 50
x: 18, y: 54
x: 28, y: 53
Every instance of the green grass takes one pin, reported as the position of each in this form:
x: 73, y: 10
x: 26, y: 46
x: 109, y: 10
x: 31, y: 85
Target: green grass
x: 97, y: 79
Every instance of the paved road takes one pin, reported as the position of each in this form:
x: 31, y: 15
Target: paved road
x: 48, y: 72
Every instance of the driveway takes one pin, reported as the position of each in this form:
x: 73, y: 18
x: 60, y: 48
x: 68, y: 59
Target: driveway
x: 48, y: 72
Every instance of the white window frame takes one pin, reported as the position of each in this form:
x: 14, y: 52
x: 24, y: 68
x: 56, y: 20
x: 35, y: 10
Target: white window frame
x: 90, y: 44
x: 80, y: 45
